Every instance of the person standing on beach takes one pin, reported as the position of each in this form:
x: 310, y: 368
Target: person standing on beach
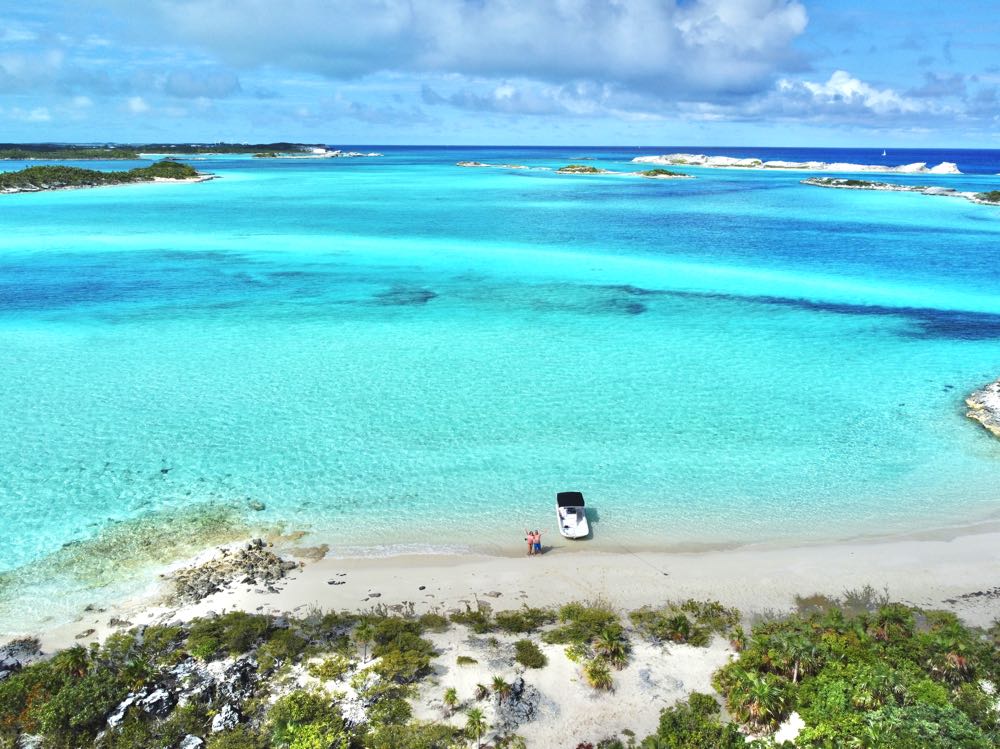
x: 530, y: 538
x: 538, y: 542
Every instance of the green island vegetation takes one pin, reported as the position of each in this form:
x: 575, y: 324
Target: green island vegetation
x: 201, y: 148
x: 860, y: 671
x: 579, y: 169
x: 36, y: 178
x: 993, y: 196
x: 58, y: 151
x: 52, y: 152
x: 266, y: 155
x: 662, y: 173
x: 841, y: 182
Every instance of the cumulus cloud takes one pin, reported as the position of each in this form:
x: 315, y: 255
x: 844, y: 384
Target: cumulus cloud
x: 845, y: 92
x: 136, y: 105
x: 703, y: 48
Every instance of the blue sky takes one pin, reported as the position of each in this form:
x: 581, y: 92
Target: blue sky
x: 619, y: 72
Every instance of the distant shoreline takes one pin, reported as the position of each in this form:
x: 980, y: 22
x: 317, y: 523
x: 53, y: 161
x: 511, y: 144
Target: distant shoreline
x: 155, y: 180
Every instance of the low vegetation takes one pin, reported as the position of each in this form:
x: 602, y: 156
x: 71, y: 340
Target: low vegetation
x: 529, y: 655
x: 36, y: 178
x: 579, y: 169
x: 859, y: 670
x: 993, y: 196
x: 662, y: 173
x: 55, y: 153
x: 691, y: 622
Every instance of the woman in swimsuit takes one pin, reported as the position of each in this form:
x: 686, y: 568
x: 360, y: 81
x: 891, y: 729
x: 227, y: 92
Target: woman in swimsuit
x: 530, y: 538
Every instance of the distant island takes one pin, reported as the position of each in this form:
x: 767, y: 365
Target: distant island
x: 843, y: 183
x: 135, y: 151
x: 580, y: 169
x: 663, y: 174
x: 730, y: 162
x: 65, y: 153
x: 40, y: 178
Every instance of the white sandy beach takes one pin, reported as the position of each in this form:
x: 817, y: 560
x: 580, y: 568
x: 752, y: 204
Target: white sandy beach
x: 938, y: 572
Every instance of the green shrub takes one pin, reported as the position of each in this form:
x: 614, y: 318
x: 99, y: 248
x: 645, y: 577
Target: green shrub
x: 282, y: 645
x: 581, y: 623
x: 234, y: 633
x: 465, y: 660
x: 523, y: 621
x: 240, y: 737
x: 330, y: 669
x: 479, y: 620
x: 307, y: 720
x: 433, y: 622
x: 695, y: 724
x: 529, y: 655
x: 413, y: 736
x: 690, y: 622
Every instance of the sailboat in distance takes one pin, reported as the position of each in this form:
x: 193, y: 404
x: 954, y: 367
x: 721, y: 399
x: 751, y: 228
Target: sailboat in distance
x: 883, y: 152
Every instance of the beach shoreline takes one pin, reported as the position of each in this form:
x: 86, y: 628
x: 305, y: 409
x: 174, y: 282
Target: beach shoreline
x: 956, y: 573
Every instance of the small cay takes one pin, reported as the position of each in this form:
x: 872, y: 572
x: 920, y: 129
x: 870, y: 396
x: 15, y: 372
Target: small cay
x: 39, y: 178
x: 984, y: 407
x: 845, y: 183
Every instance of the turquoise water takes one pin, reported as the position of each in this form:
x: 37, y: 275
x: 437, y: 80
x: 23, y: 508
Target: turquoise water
x: 399, y: 354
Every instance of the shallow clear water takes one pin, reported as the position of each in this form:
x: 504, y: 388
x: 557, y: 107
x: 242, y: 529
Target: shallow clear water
x: 398, y: 353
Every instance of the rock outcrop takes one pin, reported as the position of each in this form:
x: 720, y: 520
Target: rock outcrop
x: 253, y: 564
x: 984, y: 407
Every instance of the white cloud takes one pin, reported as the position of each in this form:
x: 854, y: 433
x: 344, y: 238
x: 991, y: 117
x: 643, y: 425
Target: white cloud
x: 844, y: 89
x: 707, y: 48
x: 136, y: 105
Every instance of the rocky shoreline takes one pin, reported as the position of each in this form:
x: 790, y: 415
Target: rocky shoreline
x: 253, y: 565
x: 843, y: 183
x: 984, y: 407
x: 46, y: 187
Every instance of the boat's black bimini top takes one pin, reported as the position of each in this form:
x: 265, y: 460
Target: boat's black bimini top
x: 569, y: 499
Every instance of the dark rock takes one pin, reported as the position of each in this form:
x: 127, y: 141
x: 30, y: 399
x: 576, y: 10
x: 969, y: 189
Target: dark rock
x: 256, y: 505
x: 117, y: 716
x: 17, y: 654
x: 226, y: 719
x: 86, y: 633
x: 158, y: 703
x: 520, y: 707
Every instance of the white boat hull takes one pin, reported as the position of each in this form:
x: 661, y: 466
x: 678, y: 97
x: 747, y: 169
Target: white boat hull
x: 572, y: 522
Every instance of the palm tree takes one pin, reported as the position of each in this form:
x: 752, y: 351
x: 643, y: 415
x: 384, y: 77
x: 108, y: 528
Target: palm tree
x: 451, y: 699
x: 759, y: 701
x: 476, y: 726
x: 72, y: 662
x: 597, y: 674
x: 363, y: 635
x: 611, y: 646
x: 501, y: 689
x: 738, y: 639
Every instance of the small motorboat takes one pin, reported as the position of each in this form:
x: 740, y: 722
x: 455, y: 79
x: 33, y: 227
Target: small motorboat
x: 572, y: 515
